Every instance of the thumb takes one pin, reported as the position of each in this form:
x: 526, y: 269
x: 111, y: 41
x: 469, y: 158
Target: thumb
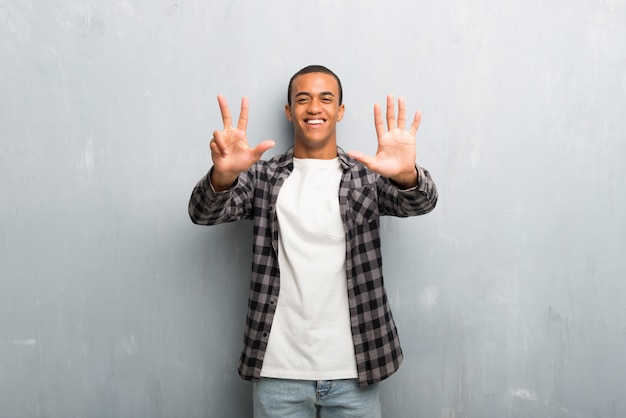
x: 258, y: 151
x: 368, y: 161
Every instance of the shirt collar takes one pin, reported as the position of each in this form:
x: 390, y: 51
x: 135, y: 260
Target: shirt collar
x: 345, y: 160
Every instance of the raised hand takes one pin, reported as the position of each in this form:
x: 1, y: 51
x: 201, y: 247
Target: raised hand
x: 395, y: 156
x: 230, y: 151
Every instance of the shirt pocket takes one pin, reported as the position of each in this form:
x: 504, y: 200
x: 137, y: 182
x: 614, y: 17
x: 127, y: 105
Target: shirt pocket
x: 334, y: 223
x: 363, y: 204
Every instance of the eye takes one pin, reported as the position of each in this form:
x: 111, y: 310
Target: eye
x: 303, y: 100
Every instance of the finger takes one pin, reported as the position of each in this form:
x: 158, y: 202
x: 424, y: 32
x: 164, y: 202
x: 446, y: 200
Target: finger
x: 243, y: 114
x: 225, y: 112
x: 391, y: 116
x: 214, y: 148
x: 401, y: 113
x: 417, y: 119
x: 378, y: 121
x: 218, y: 144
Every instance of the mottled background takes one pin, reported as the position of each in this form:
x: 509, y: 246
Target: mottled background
x: 509, y: 297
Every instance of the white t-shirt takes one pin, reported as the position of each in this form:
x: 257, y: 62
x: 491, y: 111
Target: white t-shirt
x: 311, y: 337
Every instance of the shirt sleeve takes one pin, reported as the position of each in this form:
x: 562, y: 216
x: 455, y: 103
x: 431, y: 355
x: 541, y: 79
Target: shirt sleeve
x: 208, y: 207
x: 418, y: 200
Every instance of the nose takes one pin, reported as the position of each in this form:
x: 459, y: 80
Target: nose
x: 314, y: 106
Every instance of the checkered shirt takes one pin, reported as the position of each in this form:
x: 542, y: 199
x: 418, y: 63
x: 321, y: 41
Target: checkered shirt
x: 364, y: 196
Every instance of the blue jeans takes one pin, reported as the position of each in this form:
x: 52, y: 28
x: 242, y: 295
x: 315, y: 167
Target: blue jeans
x: 282, y: 398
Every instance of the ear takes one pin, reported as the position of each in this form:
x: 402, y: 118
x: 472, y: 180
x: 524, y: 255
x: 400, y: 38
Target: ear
x: 342, y: 109
x: 288, y: 113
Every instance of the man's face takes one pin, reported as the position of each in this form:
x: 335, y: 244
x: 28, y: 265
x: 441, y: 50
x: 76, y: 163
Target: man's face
x: 315, y: 110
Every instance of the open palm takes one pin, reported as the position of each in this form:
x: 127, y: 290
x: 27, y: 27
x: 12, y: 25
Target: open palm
x: 395, y: 156
x: 230, y: 151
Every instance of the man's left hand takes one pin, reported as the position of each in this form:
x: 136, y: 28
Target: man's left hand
x: 395, y: 156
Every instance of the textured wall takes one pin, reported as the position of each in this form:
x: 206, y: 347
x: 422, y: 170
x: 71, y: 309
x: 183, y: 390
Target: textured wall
x: 508, y: 297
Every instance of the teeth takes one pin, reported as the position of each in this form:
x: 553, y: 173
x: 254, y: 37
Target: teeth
x: 315, y: 122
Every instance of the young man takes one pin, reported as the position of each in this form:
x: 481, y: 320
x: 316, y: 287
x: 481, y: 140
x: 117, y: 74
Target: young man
x: 319, y: 331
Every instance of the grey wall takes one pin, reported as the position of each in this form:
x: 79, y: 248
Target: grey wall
x: 508, y: 297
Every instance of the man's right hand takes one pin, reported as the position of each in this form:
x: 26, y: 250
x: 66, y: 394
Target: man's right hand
x: 230, y: 150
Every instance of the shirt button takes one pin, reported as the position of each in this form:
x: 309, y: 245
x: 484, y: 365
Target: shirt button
x: 265, y: 335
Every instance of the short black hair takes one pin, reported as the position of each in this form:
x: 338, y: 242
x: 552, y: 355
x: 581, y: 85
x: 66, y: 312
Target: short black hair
x: 314, y: 69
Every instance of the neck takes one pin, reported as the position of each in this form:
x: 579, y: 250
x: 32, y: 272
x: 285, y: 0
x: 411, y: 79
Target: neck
x: 326, y: 152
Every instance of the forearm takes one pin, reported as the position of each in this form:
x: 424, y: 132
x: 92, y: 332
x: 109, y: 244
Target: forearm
x: 208, y: 206
x: 417, y: 200
x: 427, y: 191
x: 201, y: 201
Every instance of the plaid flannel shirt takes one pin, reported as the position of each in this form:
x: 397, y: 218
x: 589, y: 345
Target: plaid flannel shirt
x: 363, y: 197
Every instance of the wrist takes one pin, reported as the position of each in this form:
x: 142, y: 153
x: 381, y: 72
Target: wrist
x: 221, y: 181
x: 408, y: 180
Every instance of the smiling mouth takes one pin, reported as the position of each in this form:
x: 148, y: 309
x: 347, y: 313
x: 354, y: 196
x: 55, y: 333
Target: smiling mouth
x: 314, y: 121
